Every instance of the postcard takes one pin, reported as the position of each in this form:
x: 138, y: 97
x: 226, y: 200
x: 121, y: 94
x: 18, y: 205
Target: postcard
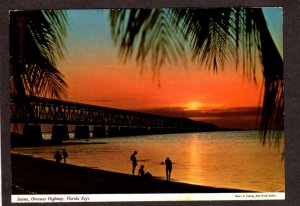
x: 153, y: 104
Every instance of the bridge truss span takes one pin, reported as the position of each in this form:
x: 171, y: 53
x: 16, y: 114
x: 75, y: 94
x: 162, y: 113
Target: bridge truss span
x: 37, y: 110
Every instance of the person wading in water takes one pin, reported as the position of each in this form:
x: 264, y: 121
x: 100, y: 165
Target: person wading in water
x: 57, y: 157
x: 168, y: 163
x: 65, y: 155
x: 134, y: 162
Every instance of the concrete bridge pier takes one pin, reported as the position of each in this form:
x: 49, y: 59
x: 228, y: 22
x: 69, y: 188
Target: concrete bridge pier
x: 133, y: 131
x: 32, y: 134
x: 99, y: 131
x: 151, y: 130
x: 82, y: 132
x: 161, y: 130
x: 127, y: 131
x: 142, y: 131
x: 60, y: 132
x: 155, y: 130
x: 114, y: 132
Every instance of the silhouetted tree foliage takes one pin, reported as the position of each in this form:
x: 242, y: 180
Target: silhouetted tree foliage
x: 36, y: 42
x: 215, y: 37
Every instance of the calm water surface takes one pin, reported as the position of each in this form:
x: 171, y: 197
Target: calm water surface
x: 220, y: 159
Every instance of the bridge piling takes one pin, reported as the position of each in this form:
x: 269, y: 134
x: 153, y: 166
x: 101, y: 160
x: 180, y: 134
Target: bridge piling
x: 60, y: 132
x: 99, y: 131
x: 82, y: 132
x: 32, y: 133
x: 114, y: 131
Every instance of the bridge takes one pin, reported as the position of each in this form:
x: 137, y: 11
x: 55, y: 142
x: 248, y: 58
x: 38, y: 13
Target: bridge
x: 106, y: 122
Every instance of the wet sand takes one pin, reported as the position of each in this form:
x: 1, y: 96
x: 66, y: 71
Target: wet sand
x: 39, y: 176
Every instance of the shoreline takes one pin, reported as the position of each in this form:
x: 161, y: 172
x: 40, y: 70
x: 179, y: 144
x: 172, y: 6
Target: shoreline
x: 32, y: 175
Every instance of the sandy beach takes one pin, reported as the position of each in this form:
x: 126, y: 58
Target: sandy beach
x: 39, y: 176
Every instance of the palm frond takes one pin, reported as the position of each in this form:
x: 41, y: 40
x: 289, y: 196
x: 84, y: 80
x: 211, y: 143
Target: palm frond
x: 273, y: 102
x: 48, y: 28
x: 147, y: 32
x: 208, y: 31
x: 36, y: 41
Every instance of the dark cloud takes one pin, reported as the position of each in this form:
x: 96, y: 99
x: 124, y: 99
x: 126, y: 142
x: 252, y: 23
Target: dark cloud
x: 239, y: 117
x: 241, y: 111
x: 181, y: 112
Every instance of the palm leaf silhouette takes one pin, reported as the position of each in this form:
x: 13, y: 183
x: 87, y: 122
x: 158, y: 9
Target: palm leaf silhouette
x: 36, y: 42
x: 153, y: 32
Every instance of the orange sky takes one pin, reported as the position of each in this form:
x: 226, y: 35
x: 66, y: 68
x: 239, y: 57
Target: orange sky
x: 126, y: 87
x: 94, y: 74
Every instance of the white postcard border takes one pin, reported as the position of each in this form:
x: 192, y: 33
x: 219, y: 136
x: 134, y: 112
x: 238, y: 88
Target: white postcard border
x: 146, y: 197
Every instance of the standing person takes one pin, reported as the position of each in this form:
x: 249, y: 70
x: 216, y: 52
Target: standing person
x: 57, y: 157
x: 65, y: 155
x: 134, y: 162
x: 168, y: 163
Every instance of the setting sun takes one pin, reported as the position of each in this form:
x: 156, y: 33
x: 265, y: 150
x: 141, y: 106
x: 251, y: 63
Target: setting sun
x: 192, y: 106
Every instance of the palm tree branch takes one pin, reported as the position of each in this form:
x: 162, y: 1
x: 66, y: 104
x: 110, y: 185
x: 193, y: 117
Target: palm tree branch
x: 33, y: 57
x: 151, y: 30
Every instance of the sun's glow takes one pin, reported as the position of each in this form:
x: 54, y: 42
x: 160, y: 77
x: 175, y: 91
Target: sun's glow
x: 192, y: 105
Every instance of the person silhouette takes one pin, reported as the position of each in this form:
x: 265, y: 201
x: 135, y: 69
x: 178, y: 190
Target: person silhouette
x: 65, y: 155
x: 133, y: 161
x: 141, y: 171
x: 57, y: 157
x: 168, y: 163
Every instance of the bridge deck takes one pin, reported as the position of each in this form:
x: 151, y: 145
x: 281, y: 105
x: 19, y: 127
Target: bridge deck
x: 37, y: 110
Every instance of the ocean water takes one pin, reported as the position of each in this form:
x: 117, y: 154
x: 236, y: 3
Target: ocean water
x: 235, y: 159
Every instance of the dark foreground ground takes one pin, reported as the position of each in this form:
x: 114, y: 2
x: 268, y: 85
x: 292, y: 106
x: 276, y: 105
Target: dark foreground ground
x: 33, y: 175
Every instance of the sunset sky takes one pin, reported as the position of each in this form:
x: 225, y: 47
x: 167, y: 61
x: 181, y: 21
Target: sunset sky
x: 95, y: 75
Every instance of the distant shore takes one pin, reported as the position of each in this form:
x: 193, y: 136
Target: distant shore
x: 39, y: 176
